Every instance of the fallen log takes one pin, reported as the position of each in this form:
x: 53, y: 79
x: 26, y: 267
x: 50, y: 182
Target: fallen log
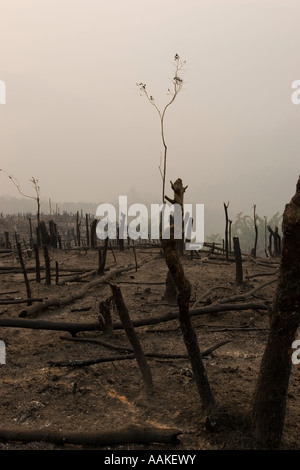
x: 75, y: 328
x: 61, y: 301
x: 20, y: 301
x: 128, y: 435
x: 124, y: 357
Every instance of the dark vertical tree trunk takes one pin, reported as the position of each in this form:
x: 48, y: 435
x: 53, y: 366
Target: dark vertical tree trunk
x: 43, y: 234
x: 133, y: 338
x: 47, y: 265
x: 272, y: 386
x: 37, y: 263
x: 28, y: 290
x: 256, y: 232
x: 87, y: 229
x: 102, y: 257
x: 7, y: 242
x: 30, y: 233
x: 56, y: 273
x: 93, y: 233
x: 238, y: 261
x: 189, y: 335
x: 78, y: 229
x: 226, y: 229
x: 53, y: 234
x: 179, y: 190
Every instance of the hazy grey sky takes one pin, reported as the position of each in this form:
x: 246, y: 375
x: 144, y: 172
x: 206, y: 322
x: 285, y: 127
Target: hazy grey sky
x: 75, y: 120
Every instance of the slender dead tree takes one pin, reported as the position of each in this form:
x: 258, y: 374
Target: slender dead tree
x: 177, y: 83
x: 255, y: 217
x: 226, y: 230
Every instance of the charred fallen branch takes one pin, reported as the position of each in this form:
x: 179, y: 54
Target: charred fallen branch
x: 75, y: 328
x: 128, y: 356
x: 128, y: 435
x: 61, y: 301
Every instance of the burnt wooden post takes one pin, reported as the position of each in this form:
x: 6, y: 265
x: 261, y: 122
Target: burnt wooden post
x: 256, y: 232
x: 30, y: 233
x: 272, y: 386
x: 37, y: 263
x: 238, y: 261
x: 87, y: 229
x: 102, y: 257
x: 78, y: 223
x: 104, y: 309
x: 53, y: 234
x: 226, y: 229
x: 47, y: 265
x: 28, y: 290
x: 56, y: 273
x: 7, y: 242
x: 93, y: 233
x: 43, y: 233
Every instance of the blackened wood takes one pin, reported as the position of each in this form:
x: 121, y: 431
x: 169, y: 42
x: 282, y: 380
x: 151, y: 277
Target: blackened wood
x: 129, y: 435
x: 102, y: 257
x: 53, y: 234
x: 28, y: 290
x: 226, y: 230
x: 93, y: 233
x: 189, y: 335
x: 238, y: 261
x: 37, y: 263
x: 47, y: 265
x: 272, y: 386
x: 133, y: 338
x: 56, y: 273
x: 78, y: 223
x: 87, y: 229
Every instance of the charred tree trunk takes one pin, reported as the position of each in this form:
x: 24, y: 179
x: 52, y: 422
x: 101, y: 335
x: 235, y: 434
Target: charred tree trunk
x: 53, y: 234
x: 179, y: 190
x: 93, y: 233
x: 133, y: 338
x: 28, y: 290
x: 43, y: 233
x: 87, y: 229
x: 270, y: 395
x: 37, y: 263
x: 226, y: 229
x: 238, y: 261
x: 102, y: 257
x: 190, y: 338
x: 256, y: 232
x: 47, y: 265
x: 30, y: 233
x: 78, y: 223
x: 7, y: 242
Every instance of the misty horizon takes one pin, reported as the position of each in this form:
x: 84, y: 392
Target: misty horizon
x: 75, y: 119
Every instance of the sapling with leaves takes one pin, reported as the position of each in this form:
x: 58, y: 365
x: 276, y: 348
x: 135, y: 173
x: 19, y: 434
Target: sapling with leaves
x: 177, y: 83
